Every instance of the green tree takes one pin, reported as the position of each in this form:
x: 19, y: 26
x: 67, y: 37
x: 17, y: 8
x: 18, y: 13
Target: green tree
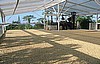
x: 19, y: 19
x: 84, y: 21
x: 29, y: 18
x: 41, y: 20
x: 98, y: 21
x: 38, y: 26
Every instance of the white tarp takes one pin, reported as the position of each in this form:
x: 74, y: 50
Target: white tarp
x: 82, y: 7
x: 25, y: 5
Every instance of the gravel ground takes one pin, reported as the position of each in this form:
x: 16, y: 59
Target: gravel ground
x: 50, y: 47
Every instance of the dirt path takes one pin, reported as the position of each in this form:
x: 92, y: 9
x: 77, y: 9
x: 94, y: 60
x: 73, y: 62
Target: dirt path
x: 50, y: 47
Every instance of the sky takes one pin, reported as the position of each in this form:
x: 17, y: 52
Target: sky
x: 37, y: 14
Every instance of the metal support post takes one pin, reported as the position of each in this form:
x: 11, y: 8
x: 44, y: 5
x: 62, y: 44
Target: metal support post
x: 96, y: 28
x: 44, y: 15
x: 58, y: 17
x: 44, y: 21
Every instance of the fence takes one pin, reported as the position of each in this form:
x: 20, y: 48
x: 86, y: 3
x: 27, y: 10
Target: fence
x: 92, y: 26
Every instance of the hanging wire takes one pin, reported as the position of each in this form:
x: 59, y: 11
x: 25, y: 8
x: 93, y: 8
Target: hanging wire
x: 16, y: 6
x: 14, y: 9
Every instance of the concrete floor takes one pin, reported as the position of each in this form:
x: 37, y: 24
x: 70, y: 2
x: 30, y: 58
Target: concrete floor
x: 50, y: 47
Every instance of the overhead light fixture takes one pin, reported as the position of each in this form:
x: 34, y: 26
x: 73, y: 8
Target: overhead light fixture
x: 97, y: 1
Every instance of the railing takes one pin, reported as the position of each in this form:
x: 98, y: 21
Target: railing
x: 92, y: 26
x: 1, y: 31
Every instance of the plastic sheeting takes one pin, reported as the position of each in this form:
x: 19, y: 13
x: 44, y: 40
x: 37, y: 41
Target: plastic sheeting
x: 26, y: 5
x: 81, y: 7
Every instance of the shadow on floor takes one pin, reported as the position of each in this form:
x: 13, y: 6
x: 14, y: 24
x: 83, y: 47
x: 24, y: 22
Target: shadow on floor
x: 71, y: 34
x: 59, y: 54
